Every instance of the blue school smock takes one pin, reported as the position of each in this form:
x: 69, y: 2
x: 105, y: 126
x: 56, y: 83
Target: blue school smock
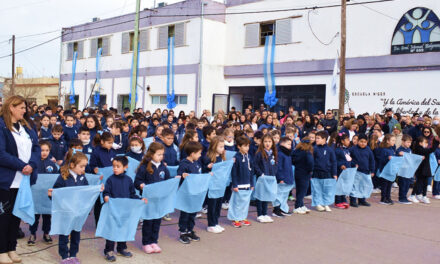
x: 268, y: 167
x: 284, y: 172
x: 325, y: 166
x: 101, y: 157
x: 47, y: 166
x: 159, y: 174
x: 242, y: 171
x: 303, y: 162
x: 59, y: 148
x: 341, y: 154
x: 119, y: 186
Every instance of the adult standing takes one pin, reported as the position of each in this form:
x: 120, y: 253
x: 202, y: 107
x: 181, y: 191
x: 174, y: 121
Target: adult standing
x: 330, y: 123
x: 19, y: 156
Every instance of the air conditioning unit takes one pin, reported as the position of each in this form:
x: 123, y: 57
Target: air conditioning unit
x: 162, y: 4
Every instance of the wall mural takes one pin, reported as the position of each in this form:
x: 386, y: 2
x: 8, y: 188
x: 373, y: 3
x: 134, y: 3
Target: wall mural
x: 417, y: 31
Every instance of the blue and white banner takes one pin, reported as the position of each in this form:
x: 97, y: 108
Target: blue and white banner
x: 269, y: 73
x: 72, y: 82
x: 162, y: 197
x: 172, y: 170
x: 170, y: 74
x: 239, y: 205
x: 409, y: 165
x: 345, y: 182
x: 148, y: 141
x: 390, y: 170
x: 42, y: 203
x: 220, y: 179
x: 362, y: 186
x: 323, y: 191
x: 230, y: 154
x: 192, y: 192
x: 433, y: 163
x: 24, y: 204
x: 266, y: 188
x: 98, y: 77
x: 283, y: 191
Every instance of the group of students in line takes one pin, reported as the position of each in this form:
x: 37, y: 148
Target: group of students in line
x: 71, y: 147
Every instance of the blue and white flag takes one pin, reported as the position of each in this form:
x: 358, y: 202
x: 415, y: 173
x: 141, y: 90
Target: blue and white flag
x: 192, y: 192
x: 409, y: 165
x: 70, y: 208
x: 283, y: 191
x: 106, y: 172
x: 72, y: 82
x: 239, y: 205
x: 323, y: 191
x: 220, y: 179
x: 24, y: 204
x: 433, y: 163
x: 170, y: 74
x: 362, y: 186
x: 119, y: 219
x: 162, y: 197
x: 335, y: 77
x: 437, y: 175
x: 230, y: 154
x: 93, y: 179
x: 42, y: 202
x: 345, y: 182
x: 172, y: 170
x: 269, y: 72
x: 98, y: 77
x: 391, y: 169
x: 266, y: 188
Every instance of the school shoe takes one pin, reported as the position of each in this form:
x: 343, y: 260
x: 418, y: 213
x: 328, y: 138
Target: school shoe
x: 220, y: 227
x: 429, y: 189
x: 198, y: 215
x: 364, y: 203
x: 308, y: 197
x: 148, y: 249
x: 277, y: 213
x: 307, y: 210
x: 412, y: 198
x: 14, y: 257
x: 225, y: 206
x: 404, y: 201
x: 286, y: 213
x: 327, y: 208
x: 261, y: 219
x: 184, y: 239
x: 268, y: 219
x: 387, y: 202
x: 75, y: 260
x: 354, y: 204
x: 167, y: 218
x: 299, y: 210
x: 47, y: 239
x: 437, y: 197
x: 245, y: 222
x: 346, y: 205
x: 204, y: 210
x: 64, y: 261
x: 31, y: 241
x: 156, y: 248
x: 236, y: 224
x: 425, y: 200
x: 109, y: 256
x: 213, y: 229
x: 125, y: 253
x: 419, y: 197
x: 320, y: 208
x: 395, y: 185
x: 340, y: 206
x: 193, y: 237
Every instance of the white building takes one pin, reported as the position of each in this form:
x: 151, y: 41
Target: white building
x: 393, y: 55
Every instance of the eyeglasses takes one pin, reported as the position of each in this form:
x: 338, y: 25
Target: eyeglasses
x: 329, y: 113
x: 426, y: 132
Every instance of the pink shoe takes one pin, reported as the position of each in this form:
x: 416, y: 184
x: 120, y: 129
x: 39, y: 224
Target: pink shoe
x: 148, y: 249
x: 156, y: 248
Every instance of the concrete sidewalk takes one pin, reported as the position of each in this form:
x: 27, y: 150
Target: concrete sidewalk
x: 378, y: 234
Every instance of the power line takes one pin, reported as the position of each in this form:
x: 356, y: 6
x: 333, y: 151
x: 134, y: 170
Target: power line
x: 194, y: 15
x: 313, y: 33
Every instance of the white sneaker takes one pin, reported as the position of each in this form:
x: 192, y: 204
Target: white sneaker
x: 198, y: 215
x: 412, y: 198
x: 204, y: 210
x: 268, y: 219
x: 261, y: 219
x: 425, y: 200
x: 429, y: 188
x: 308, y: 197
x: 305, y: 209
x: 419, y: 197
x: 327, y: 208
x: 320, y: 208
x: 299, y: 210
x: 437, y: 197
x: 225, y: 206
x: 395, y: 185
x: 220, y: 227
x: 213, y: 229
x: 377, y: 190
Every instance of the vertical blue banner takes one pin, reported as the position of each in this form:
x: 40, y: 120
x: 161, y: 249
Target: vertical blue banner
x: 268, y: 71
x: 98, y: 77
x: 170, y: 74
x: 72, y: 82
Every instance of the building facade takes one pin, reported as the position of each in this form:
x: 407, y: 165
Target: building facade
x: 393, y: 58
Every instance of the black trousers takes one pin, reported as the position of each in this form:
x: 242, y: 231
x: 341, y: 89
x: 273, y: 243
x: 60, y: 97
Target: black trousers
x: 63, y: 248
x: 9, y: 223
x: 214, y: 208
x: 261, y: 207
x: 110, y: 246
x: 150, y: 231
x: 404, y: 184
x: 340, y: 199
x: 186, y: 221
x: 302, y: 185
x: 46, y: 224
x: 385, y: 188
x: 228, y: 193
x: 421, y: 186
x: 97, y: 210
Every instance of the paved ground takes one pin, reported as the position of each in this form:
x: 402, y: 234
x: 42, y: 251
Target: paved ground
x: 379, y: 234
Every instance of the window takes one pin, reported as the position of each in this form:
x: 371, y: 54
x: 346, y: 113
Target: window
x: 123, y: 102
x: 128, y: 41
x: 78, y: 47
x: 176, y: 30
x: 102, y: 100
x: 256, y: 33
x: 266, y: 29
x: 97, y: 43
x: 162, y: 99
x: 67, y: 104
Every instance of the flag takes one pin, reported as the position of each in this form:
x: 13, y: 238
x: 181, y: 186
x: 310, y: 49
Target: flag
x: 221, y: 175
x: 162, y: 197
x: 192, y: 192
x: 345, y: 182
x: 230, y: 154
x: 323, y: 191
x: 239, y: 205
x: 362, y: 186
x: 409, y: 165
x: 24, y: 204
x: 335, y: 77
x: 266, y: 188
x: 42, y: 202
x: 283, y: 191
x: 391, y: 169
x: 170, y: 74
x: 269, y: 72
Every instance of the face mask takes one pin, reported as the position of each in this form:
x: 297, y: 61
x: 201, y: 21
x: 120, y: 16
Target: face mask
x: 85, y: 114
x: 435, y: 122
x: 85, y: 142
x: 136, y: 149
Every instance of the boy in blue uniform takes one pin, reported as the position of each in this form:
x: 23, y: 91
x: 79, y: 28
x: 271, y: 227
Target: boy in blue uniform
x: 189, y: 165
x: 119, y: 185
x: 285, y: 172
x: 404, y: 183
x: 208, y: 134
x: 171, y: 156
x: 59, y: 145
x: 70, y: 131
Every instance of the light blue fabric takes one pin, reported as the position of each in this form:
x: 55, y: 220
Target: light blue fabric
x: 433, y: 163
x: 162, y: 197
x: 170, y: 74
x: 390, y: 170
x: 98, y: 76
x: 345, y: 182
x: 239, y: 205
x: 282, y: 195
x: 323, y: 191
x: 148, y: 141
x: 437, y: 175
x: 192, y: 192
x: 362, y: 186
x: 221, y: 174
x: 268, y: 71
x: 106, y: 172
x: 70, y: 208
x: 133, y: 164
x: 88, y: 157
x: 119, y: 219
x: 409, y: 165
x: 294, y: 183
x: 230, y: 154
x: 72, y: 81
x: 93, y: 179
x: 172, y: 170
x: 266, y: 188
x: 24, y: 204
x: 42, y: 203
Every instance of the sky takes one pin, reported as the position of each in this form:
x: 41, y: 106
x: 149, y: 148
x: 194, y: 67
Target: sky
x: 28, y: 17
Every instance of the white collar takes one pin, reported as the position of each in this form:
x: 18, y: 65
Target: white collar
x: 74, y: 175
x: 157, y: 164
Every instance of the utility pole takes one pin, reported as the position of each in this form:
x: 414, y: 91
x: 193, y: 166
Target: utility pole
x: 12, y: 91
x: 135, y: 57
x: 199, y: 90
x: 343, y: 54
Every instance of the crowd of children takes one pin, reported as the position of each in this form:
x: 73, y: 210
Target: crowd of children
x: 76, y: 142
